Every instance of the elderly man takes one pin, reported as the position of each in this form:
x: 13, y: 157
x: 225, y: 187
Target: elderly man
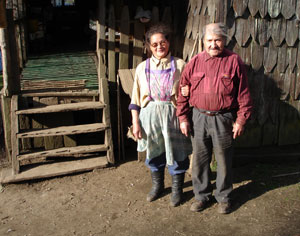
x: 217, y: 89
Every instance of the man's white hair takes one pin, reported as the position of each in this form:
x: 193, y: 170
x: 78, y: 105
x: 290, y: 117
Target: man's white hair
x: 218, y: 29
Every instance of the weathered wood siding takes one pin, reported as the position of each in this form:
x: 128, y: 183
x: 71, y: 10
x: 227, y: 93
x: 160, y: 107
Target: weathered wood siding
x: 265, y: 34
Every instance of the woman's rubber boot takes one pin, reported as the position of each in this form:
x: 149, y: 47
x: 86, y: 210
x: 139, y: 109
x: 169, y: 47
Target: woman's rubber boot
x: 157, y: 185
x: 177, y: 184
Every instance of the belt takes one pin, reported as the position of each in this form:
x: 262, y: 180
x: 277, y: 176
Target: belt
x: 212, y: 113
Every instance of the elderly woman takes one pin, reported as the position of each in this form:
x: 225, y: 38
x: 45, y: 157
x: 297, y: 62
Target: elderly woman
x: 153, y: 109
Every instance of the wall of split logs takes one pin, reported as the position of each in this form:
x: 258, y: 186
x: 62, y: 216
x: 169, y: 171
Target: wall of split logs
x: 265, y: 34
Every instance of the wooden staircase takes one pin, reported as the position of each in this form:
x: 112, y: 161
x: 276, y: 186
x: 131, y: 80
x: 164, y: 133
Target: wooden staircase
x: 34, y: 164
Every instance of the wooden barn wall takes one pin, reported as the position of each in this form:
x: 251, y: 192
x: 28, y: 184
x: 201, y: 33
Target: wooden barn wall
x: 265, y: 33
x: 120, y: 37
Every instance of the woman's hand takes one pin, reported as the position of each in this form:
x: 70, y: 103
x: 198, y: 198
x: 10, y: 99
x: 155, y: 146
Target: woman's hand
x: 185, y: 128
x: 136, y: 129
x: 185, y: 90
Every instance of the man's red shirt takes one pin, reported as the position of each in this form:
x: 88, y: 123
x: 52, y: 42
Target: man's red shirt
x: 216, y: 84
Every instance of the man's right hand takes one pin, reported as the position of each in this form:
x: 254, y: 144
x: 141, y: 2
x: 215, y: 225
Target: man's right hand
x: 185, y: 128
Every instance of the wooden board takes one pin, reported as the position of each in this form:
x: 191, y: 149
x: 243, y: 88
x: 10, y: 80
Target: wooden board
x: 167, y: 16
x: 274, y: 7
x: 83, y: 93
x: 278, y: 30
x: 139, y: 31
x: 253, y: 6
x: 263, y: 8
x: 293, y: 32
x: 257, y: 55
x: 15, y: 146
x: 53, y: 84
x: 104, y: 97
x: 127, y: 79
x: 292, y: 57
x: 263, y: 31
x: 51, y: 120
x: 189, y: 25
x: 239, y: 6
x: 63, y: 152
x: 63, y: 130
x: 155, y: 15
x: 53, y: 169
x: 242, y: 34
x: 111, y: 45
x: 124, y: 39
x: 270, y: 57
x: 101, y: 39
x: 198, y: 7
x: 37, y: 121
x: 3, y: 23
x: 298, y: 10
x: 288, y: 8
x: 282, y: 61
x: 63, y: 108
x: 24, y: 123
x: 195, y: 27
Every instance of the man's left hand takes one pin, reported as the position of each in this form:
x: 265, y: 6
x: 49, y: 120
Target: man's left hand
x: 237, y: 130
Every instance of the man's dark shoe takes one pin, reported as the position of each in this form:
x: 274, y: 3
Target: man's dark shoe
x: 198, y: 206
x: 224, y: 208
x: 157, y: 185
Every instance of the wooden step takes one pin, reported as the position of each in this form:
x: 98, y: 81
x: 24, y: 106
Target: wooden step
x: 64, y: 151
x: 53, y: 169
x: 62, y: 108
x: 63, y: 130
x: 84, y: 93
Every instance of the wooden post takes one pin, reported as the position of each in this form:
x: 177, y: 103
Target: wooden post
x: 101, y: 40
x: 104, y: 97
x: 11, y: 70
x: 124, y: 39
x: 6, y: 119
x: 3, y: 23
x: 14, y: 131
x: 139, y: 29
x: 111, y: 45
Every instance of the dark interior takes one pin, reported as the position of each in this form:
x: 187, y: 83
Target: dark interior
x: 61, y: 25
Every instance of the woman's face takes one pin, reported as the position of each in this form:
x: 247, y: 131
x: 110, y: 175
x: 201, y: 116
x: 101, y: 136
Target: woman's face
x: 159, y: 45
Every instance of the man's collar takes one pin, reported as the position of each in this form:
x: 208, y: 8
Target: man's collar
x: 208, y: 57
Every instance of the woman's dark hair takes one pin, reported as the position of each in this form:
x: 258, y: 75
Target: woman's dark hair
x: 155, y: 29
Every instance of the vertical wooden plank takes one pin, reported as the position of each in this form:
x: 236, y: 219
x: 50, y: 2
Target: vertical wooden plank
x: 2, y: 14
x: 50, y: 121
x: 124, y: 39
x: 14, y: 81
x: 14, y: 131
x: 167, y: 16
x: 155, y: 15
x: 139, y: 30
x: 104, y: 97
x: 19, y: 45
x: 6, y: 119
x: 101, y: 39
x: 24, y: 123
x: 111, y: 45
x: 37, y: 124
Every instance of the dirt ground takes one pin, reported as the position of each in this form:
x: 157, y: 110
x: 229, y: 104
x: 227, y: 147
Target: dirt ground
x: 112, y: 201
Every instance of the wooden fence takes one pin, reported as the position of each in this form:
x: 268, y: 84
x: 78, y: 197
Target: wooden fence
x: 120, y: 41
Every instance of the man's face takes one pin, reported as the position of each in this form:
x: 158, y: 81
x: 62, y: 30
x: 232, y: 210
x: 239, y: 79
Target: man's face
x: 213, y: 43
